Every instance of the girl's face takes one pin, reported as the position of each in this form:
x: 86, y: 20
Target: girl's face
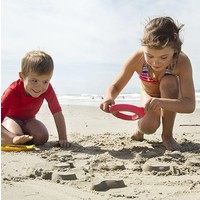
x: 158, y: 59
x: 35, y: 84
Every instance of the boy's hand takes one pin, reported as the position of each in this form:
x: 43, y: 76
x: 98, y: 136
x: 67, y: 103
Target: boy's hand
x: 64, y: 143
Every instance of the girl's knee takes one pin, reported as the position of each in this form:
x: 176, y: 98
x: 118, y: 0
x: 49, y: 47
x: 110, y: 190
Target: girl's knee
x: 169, y: 86
x: 150, y: 130
x: 148, y: 126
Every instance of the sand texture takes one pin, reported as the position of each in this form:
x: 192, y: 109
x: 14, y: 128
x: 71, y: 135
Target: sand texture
x: 103, y: 163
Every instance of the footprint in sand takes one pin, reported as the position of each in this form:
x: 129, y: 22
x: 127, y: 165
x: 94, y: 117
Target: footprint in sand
x: 108, y: 184
x: 194, y: 161
x: 112, y: 166
x: 155, y: 165
x: 61, y: 166
x: 58, y: 176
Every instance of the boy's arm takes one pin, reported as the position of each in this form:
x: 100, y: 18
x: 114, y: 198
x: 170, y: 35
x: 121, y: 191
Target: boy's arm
x: 61, y: 128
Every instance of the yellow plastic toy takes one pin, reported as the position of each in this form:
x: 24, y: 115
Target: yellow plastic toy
x: 17, y: 147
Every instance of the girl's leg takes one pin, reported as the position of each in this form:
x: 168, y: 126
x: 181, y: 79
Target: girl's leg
x: 149, y: 123
x: 12, y: 133
x: 169, y: 88
x: 38, y: 130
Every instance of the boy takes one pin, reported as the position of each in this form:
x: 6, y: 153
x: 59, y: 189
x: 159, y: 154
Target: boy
x: 22, y: 100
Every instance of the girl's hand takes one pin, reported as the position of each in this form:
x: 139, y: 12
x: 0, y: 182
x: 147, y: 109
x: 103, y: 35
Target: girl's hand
x: 106, y: 104
x: 64, y: 143
x: 153, y: 104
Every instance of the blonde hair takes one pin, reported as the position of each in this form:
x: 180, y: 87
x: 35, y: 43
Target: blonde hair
x: 162, y: 32
x: 38, y: 62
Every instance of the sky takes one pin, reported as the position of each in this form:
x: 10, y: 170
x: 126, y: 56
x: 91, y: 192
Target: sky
x: 89, y: 40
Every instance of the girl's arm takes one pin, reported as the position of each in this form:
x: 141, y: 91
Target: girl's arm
x: 132, y: 65
x: 187, y: 90
x: 61, y: 128
x: 186, y: 102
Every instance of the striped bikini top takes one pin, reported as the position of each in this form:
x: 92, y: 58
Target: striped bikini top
x: 145, y: 76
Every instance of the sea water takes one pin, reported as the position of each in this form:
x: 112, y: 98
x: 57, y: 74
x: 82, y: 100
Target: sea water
x: 96, y: 100
x: 86, y: 87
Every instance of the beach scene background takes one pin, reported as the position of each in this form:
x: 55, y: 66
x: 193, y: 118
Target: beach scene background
x: 89, y: 41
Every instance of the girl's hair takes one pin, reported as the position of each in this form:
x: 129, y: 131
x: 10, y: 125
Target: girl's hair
x: 38, y: 62
x: 163, y: 32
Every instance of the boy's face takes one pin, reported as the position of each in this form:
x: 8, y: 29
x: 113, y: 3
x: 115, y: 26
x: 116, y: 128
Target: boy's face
x: 158, y: 59
x: 34, y: 84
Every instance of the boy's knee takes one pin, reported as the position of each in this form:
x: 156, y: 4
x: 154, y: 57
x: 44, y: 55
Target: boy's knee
x: 40, y: 139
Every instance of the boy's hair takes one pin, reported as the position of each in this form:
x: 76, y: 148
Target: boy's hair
x: 162, y: 32
x: 38, y: 62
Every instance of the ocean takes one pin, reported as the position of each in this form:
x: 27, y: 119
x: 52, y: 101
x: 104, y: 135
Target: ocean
x: 95, y: 100
x: 87, y: 86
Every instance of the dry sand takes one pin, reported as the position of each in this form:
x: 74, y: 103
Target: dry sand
x: 103, y: 163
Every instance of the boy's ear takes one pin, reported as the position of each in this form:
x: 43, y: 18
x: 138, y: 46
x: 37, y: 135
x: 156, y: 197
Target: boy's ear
x: 21, y: 75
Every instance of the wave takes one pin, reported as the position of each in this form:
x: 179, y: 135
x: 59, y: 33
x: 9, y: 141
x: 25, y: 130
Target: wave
x: 95, y: 99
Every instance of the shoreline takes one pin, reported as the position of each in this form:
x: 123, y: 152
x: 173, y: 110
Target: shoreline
x: 95, y: 100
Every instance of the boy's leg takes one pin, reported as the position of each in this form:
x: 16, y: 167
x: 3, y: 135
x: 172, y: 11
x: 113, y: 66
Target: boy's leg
x: 12, y: 133
x: 169, y: 89
x: 38, y: 130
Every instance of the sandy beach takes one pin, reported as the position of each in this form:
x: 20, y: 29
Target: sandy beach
x: 103, y: 163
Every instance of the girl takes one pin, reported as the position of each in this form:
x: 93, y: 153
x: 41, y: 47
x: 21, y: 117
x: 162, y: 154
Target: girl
x: 166, y: 77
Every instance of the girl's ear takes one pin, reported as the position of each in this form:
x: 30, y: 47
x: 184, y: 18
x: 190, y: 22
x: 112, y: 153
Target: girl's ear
x: 21, y: 75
